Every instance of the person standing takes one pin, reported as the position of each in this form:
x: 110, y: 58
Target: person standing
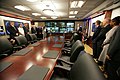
x: 34, y: 29
x: 113, y: 54
x: 101, y: 36
x: 44, y: 32
x: 21, y: 30
x: 106, y: 42
x: 26, y: 28
x: 12, y: 30
x: 96, y: 33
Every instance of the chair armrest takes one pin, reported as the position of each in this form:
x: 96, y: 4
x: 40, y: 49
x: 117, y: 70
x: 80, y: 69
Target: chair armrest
x: 3, y: 54
x: 67, y: 62
x: 17, y: 47
x: 62, y: 71
x: 63, y: 68
x: 66, y: 49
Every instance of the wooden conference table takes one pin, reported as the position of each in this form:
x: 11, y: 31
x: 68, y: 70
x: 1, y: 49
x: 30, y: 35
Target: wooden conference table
x: 20, y: 64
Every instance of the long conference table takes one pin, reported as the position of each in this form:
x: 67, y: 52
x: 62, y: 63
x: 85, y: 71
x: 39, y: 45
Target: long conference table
x: 21, y: 63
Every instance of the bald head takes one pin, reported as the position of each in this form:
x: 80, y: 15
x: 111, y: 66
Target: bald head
x: 106, y: 21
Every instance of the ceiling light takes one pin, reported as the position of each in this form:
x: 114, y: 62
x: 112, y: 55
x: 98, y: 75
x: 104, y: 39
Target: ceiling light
x: 36, y: 14
x: 76, y: 4
x: 48, y: 11
x: 80, y: 3
x: 73, y: 12
x: 22, y: 8
x: 43, y: 17
x: 54, y: 17
x: 71, y: 16
x: 32, y: 0
x: 73, y: 4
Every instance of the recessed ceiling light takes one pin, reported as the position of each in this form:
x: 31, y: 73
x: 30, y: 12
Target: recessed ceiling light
x: 71, y: 16
x: 32, y: 0
x: 76, y: 4
x: 73, y: 12
x: 36, y: 14
x: 22, y: 8
x: 43, y: 17
x: 80, y: 3
x: 54, y: 17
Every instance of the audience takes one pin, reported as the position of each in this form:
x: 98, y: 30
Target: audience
x: 101, y: 36
x: 106, y: 42
x: 113, y: 53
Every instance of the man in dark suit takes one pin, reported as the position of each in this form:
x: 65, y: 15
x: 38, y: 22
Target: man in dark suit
x: 101, y: 36
x: 12, y: 30
x: 34, y: 29
x: 97, y: 31
x: 26, y: 29
x: 113, y: 57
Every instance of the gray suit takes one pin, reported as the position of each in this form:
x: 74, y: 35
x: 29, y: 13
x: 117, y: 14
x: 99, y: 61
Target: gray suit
x: 114, y: 54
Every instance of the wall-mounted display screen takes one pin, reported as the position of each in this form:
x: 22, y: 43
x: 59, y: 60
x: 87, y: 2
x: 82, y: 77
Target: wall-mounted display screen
x: 60, y: 27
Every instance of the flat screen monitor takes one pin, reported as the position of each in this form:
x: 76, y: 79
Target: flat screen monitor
x: 70, y: 24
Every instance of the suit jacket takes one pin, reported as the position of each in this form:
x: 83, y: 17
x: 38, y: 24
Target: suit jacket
x: 13, y: 31
x: 97, y: 31
x: 101, y: 36
x: 25, y: 30
x: 114, y: 47
x: 33, y: 30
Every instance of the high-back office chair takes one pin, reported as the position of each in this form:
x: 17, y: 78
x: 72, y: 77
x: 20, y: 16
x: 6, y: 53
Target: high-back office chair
x: 68, y: 41
x: 75, y: 38
x: 84, y: 68
x: 34, y: 37
x: 68, y: 51
x: 6, y: 47
x: 21, y: 41
x: 70, y: 59
x: 31, y: 38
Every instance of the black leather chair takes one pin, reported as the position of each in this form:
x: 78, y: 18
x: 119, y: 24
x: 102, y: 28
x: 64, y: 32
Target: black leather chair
x: 6, y: 47
x: 68, y: 51
x: 31, y: 38
x: 68, y: 41
x: 72, y: 57
x: 84, y: 68
x: 75, y: 38
x: 34, y: 37
x: 21, y: 41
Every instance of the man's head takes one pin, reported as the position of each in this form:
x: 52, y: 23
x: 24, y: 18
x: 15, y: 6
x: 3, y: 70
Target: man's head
x: 21, y: 25
x: 97, y: 23
x: 115, y: 21
x: 106, y: 21
x: 12, y: 23
x: 25, y: 24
